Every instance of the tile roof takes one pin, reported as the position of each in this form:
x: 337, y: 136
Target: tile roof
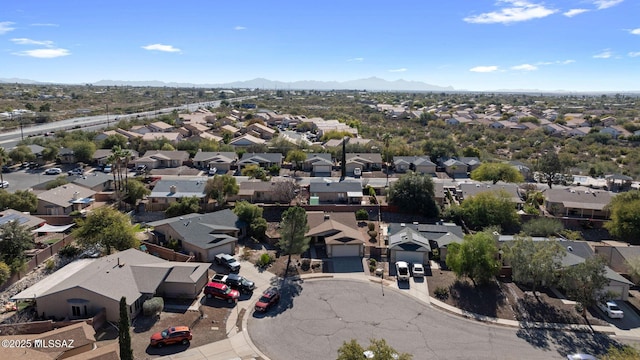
x: 63, y: 194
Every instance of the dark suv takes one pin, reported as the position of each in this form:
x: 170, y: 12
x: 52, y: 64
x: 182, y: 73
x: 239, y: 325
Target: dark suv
x: 240, y: 283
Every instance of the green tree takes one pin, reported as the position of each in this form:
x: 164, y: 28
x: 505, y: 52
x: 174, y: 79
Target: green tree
x: 534, y: 262
x: 544, y: 227
x: 15, y: 240
x: 135, y: 190
x: 414, y: 193
x: 585, y: 282
x: 471, y: 151
x: 625, y: 216
x: 378, y: 349
x: 83, y: 151
x: 5, y: 272
x: 220, y: 187
x: 124, y: 332
x: 497, y: 172
x: 490, y: 208
x: 252, y: 215
x: 475, y: 257
x: 296, y: 157
x: 183, y: 206
x: 50, y: 153
x: 254, y: 171
x: 293, y: 228
x: 440, y: 148
x: 106, y: 228
x: 550, y: 167
x: 23, y: 200
x: 114, y: 140
x: 21, y: 153
x: 622, y: 352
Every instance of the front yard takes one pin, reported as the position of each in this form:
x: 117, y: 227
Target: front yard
x: 506, y: 300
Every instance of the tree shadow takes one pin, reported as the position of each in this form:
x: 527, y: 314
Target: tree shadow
x: 144, y: 323
x: 482, y: 299
x: 535, y: 309
x: 290, y: 288
x: 567, y: 342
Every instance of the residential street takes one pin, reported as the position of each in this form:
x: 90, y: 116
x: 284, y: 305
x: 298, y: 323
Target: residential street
x: 324, y: 313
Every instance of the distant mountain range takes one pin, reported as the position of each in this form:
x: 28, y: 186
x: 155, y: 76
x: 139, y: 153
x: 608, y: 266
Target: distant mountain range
x: 372, y: 84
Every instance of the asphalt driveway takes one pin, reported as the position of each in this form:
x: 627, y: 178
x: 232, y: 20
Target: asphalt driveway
x: 315, y: 317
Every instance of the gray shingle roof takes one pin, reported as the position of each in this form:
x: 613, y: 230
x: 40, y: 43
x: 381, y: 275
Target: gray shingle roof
x: 251, y: 158
x: 184, y: 188
x: 224, y: 156
x: 416, y: 160
x: 337, y: 186
x: 204, y: 230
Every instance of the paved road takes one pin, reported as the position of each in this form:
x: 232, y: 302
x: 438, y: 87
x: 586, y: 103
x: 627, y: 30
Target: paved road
x: 324, y: 313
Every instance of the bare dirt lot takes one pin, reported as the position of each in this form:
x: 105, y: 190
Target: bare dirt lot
x: 506, y: 300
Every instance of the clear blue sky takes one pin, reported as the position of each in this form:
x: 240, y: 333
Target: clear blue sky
x: 575, y: 45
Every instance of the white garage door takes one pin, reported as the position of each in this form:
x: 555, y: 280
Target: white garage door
x: 345, y: 250
x: 410, y: 256
x: 322, y: 169
x: 227, y: 249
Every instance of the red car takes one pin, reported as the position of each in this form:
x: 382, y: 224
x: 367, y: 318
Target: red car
x: 221, y: 291
x: 173, y: 335
x: 269, y: 298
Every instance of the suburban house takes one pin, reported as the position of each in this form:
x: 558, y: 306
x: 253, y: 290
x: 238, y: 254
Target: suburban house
x: 256, y: 191
x: 160, y: 126
x: 619, y: 256
x: 223, y: 161
x: 616, y: 131
x: 85, y: 287
x: 336, y: 233
x: 230, y: 129
x: 155, y: 159
x: 209, y: 136
x: 348, y: 191
x: 467, y: 190
x: 471, y: 162
x: 166, y: 192
x: 408, y: 245
x: 84, y: 345
x: 263, y: 160
x: 101, y: 156
x: 578, y: 202
x: 30, y: 222
x: 455, y: 168
x: 417, y: 164
x: 577, y: 252
x: 246, y: 140
x: 522, y: 169
x: 202, y: 235
x: 172, y: 137
x: 364, y: 161
x: 96, y: 181
x: 261, y: 131
x: 439, y: 235
x: 618, y: 182
x: 64, y: 199
x: 319, y: 164
x: 196, y: 128
x: 66, y: 156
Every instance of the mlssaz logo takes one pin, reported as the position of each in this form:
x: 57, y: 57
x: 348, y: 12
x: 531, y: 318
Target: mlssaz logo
x: 53, y: 343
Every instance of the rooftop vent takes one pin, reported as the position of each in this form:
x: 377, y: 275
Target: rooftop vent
x: 173, y: 189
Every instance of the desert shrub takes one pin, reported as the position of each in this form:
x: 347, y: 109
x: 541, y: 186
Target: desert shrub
x: 265, y: 260
x: 246, y: 253
x: 373, y: 262
x: 371, y: 226
x: 441, y: 292
x: 68, y: 251
x: 305, y: 264
x: 153, y: 306
x: 362, y: 214
x: 50, y: 264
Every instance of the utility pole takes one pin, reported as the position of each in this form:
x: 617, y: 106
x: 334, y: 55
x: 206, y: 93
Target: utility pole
x: 107, y: 115
x: 21, y: 128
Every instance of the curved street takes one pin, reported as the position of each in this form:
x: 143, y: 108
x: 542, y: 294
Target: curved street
x: 316, y: 316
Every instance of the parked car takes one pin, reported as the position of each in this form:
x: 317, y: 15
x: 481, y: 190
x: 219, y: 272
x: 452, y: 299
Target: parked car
x: 141, y: 169
x: 76, y: 171
x: 107, y: 168
x: 53, y: 171
x: 173, y: 335
x: 221, y: 291
x: 417, y: 270
x: 213, y: 171
x: 4, y: 184
x: 6, y: 169
x: 240, y: 283
x: 402, y: 270
x: 228, y: 262
x: 269, y: 297
x: 357, y: 172
x: 611, y: 309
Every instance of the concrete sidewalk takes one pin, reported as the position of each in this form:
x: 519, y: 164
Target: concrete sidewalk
x: 238, y: 345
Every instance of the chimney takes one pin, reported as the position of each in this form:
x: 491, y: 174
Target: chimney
x: 76, y: 195
x: 173, y: 189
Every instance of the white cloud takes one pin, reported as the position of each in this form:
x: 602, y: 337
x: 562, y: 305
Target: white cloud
x: 634, y: 54
x: 557, y: 62
x: 635, y: 31
x: 161, y: 47
x: 484, y: 69
x: 567, y: 62
x: 239, y: 28
x: 25, y: 41
x: 603, y: 55
x: 520, y: 10
x: 358, y: 59
x: 398, y: 70
x: 49, y: 25
x: 5, y: 27
x: 44, y: 53
x: 524, y: 67
x: 574, y: 12
x: 605, y: 4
